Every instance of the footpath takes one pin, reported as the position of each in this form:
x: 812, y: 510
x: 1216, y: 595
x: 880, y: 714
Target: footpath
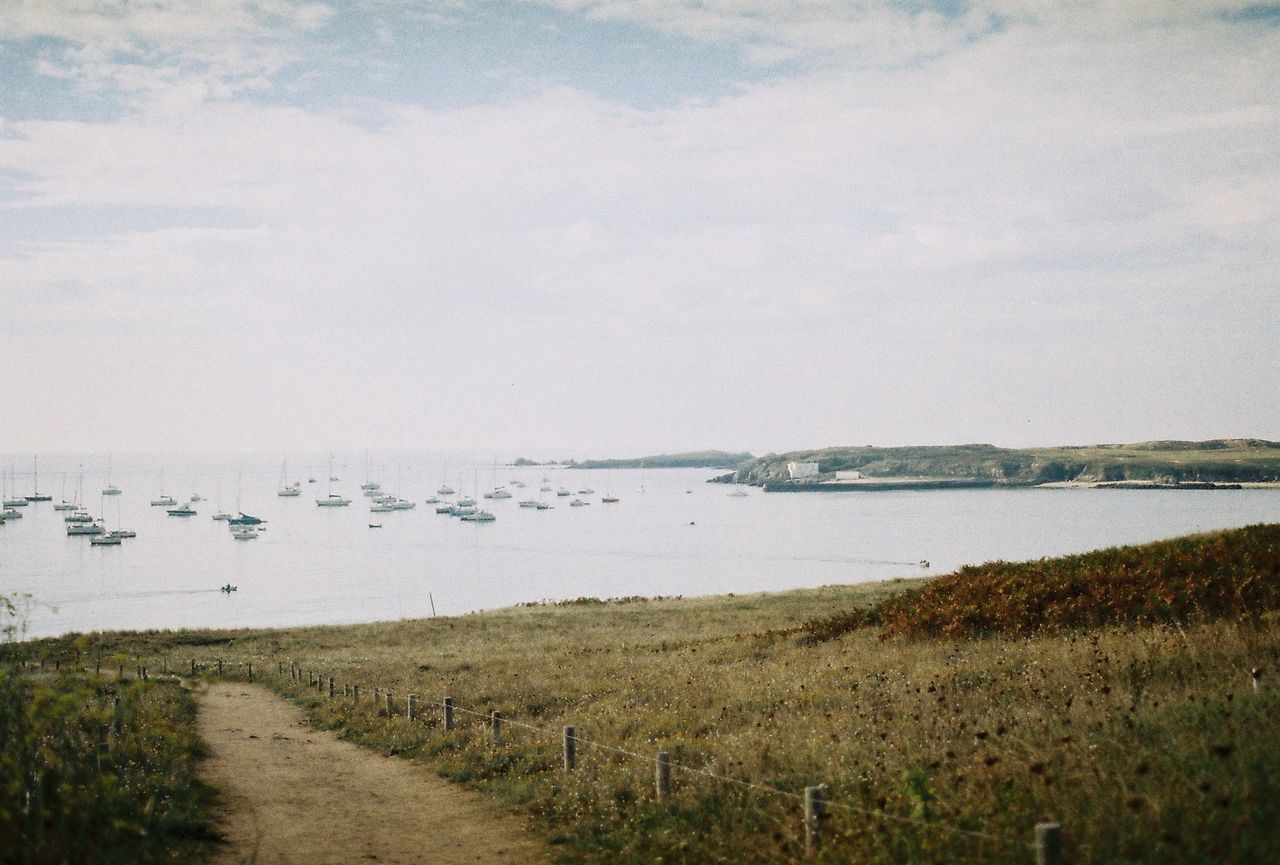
x: 293, y: 794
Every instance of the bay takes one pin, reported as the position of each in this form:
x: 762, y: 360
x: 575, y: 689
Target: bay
x: 671, y: 533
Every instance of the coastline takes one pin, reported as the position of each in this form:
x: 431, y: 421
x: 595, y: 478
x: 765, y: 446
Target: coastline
x: 919, y: 484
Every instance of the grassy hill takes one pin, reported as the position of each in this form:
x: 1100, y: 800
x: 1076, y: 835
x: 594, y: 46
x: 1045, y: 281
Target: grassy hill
x: 1220, y: 575
x: 693, y: 459
x: 1134, y: 720
x: 1215, y: 461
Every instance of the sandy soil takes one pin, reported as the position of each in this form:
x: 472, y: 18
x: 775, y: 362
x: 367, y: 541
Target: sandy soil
x: 292, y: 794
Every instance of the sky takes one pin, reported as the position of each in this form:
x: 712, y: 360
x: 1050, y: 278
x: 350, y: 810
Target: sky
x: 589, y: 228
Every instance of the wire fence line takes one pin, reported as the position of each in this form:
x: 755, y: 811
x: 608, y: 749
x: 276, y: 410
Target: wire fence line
x: 1047, y: 846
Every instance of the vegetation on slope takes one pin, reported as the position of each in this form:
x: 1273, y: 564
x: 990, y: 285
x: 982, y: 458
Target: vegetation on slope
x: 86, y: 779
x: 1149, y: 742
x: 1221, y: 575
x: 711, y: 459
x: 1216, y: 461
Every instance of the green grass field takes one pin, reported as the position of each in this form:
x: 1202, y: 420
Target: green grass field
x: 97, y: 770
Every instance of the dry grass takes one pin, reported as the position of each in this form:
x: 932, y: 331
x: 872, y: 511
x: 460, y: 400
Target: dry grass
x: 1150, y: 743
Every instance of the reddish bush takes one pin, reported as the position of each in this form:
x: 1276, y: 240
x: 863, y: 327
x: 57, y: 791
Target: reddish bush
x: 1231, y: 574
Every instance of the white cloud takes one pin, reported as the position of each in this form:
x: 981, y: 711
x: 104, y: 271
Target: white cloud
x: 1062, y: 176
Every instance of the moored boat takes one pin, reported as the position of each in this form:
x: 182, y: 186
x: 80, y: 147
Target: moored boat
x: 94, y: 528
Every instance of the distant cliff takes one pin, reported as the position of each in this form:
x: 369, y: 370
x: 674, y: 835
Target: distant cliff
x: 1165, y: 462
x: 692, y: 460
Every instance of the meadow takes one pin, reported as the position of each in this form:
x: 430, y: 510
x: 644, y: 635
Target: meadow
x: 1148, y: 737
x: 98, y: 770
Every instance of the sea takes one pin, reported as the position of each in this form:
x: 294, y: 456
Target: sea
x: 671, y: 533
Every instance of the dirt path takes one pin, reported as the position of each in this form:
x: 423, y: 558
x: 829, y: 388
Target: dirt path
x: 292, y: 794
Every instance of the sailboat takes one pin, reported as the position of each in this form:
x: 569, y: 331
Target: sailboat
x: 36, y: 495
x: 288, y: 490
x: 12, y: 501
x: 64, y: 505
x: 110, y: 489
x: 608, y: 498
x: 370, y: 488
x: 163, y: 501
x: 11, y: 506
x: 112, y: 537
x: 238, y: 523
x: 332, y: 500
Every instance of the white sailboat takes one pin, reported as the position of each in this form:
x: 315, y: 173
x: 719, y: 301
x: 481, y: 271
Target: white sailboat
x: 332, y: 499
x: 36, y: 495
x: 63, y: 504
x: 10, y: 500
x: 163, y: 501
x: 110, y: 489
x: 370, y: 488
x: 288, y: 490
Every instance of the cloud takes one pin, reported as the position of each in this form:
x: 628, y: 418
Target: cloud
x: 172, y: 54
x: 974, y: 208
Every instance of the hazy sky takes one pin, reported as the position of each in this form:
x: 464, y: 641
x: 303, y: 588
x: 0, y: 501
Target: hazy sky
x: 597, y: 227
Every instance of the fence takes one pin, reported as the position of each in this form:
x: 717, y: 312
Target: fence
x: 815, y: 807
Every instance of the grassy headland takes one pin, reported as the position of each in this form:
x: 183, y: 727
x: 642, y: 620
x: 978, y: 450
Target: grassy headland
x: 711, y: 459
x: 1173, y: 462
x: 1149, y: 737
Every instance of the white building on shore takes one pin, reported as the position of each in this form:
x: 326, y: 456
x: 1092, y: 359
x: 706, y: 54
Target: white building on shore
x: 801, y: 470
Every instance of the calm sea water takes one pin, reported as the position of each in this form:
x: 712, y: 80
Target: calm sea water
x: 671, y: 534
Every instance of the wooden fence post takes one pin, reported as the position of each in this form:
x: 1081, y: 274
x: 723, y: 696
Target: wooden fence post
x: 390, y: 704
x: 250, y: 671
x: 411, y: 712
x: 662, y: 775
x: 279, y: 668
x: 193, y: 666
x: 815, y: 811
x: 97, y: 667
x: 219, y: 666
x: 448, y: 713
x: 331, y: 687
x: 495, y: 727
x: 570, y: 750
x: 1048, y: 844
x: 355, y: 693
